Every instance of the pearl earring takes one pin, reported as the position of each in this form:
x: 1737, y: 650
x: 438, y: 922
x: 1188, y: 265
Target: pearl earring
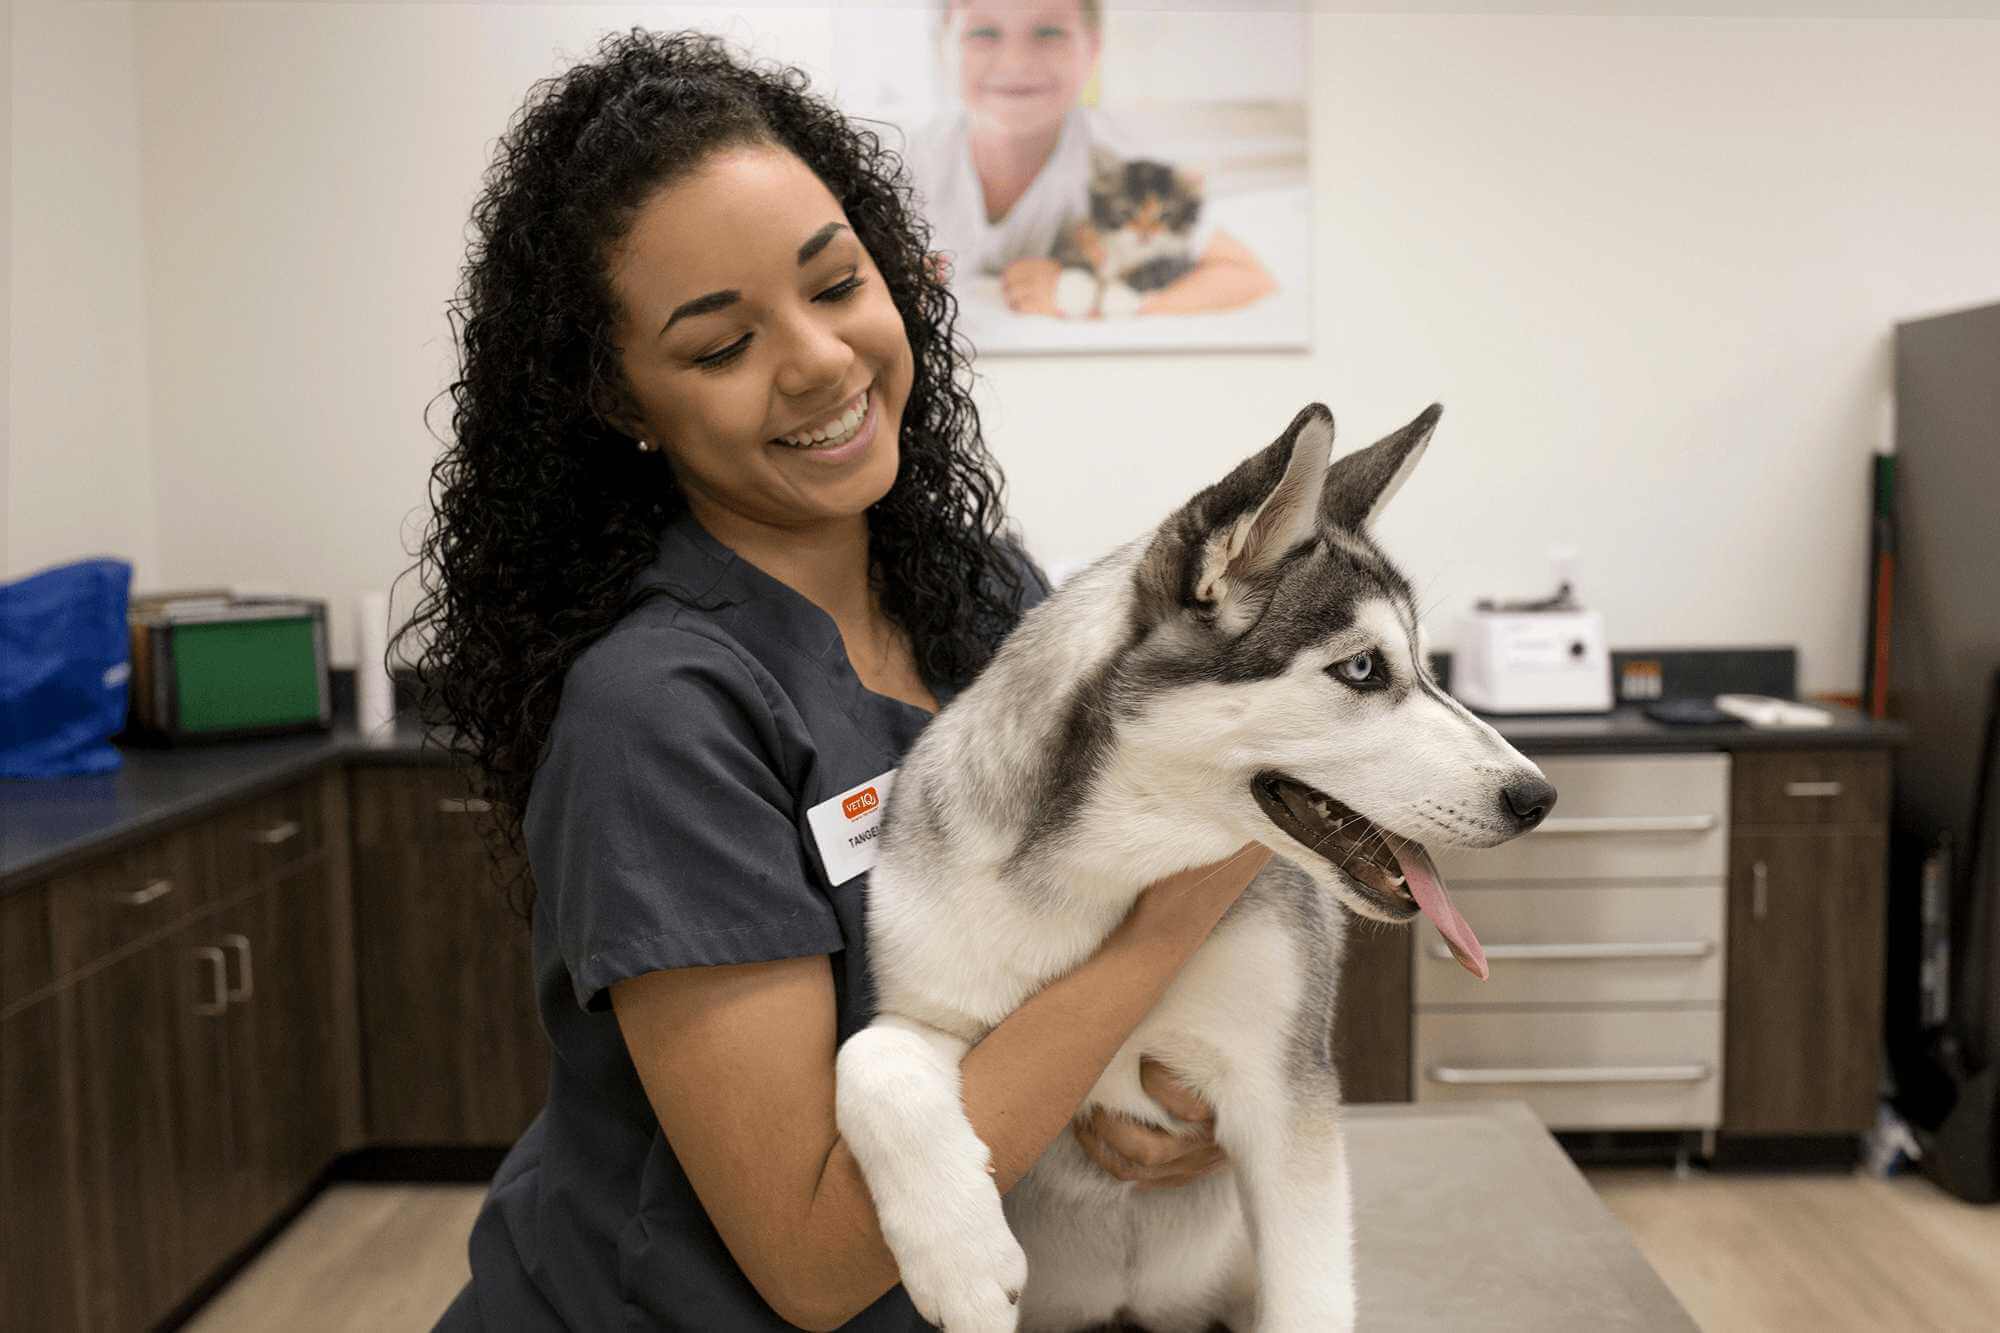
x: 643, y: 446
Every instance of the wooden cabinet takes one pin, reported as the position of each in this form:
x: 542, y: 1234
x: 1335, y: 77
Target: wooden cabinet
x: 172, y: 1059
x: 119, y: 1031
x: 1807, y: 914
x: 455, y: 1049
x: 40, y: 1286
x: 1371, y: 1029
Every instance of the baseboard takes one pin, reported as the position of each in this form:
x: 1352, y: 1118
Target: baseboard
x: 420, y: 1163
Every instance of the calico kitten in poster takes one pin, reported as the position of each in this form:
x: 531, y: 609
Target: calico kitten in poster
x: 1137, y: 239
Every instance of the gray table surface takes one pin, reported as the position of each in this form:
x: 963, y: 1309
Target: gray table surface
x: 49, y: 825
x: 1469, y: 1216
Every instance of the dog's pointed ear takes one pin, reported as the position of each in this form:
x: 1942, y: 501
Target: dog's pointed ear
x: 1360, y: 484
x: 1242, y: 526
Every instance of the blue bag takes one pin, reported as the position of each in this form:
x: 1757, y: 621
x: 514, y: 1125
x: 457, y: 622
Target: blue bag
x: 65, y: 657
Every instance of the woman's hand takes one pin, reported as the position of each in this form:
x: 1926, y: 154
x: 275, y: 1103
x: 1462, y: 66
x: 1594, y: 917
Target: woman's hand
x: 1154, y: 1158
x: 1030, y: 286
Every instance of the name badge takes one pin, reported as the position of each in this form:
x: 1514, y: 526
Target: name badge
x: 847, y: 827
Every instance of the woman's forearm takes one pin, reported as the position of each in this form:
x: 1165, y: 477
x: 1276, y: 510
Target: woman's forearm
x: 1025, y: 1079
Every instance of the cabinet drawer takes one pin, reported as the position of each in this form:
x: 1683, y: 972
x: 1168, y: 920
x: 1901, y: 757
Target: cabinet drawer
x: 1811, y: 787
x: 1648, y: 816
x: 27, y: 954
x: 427, y: 803
x: 1578, y: 1068
x: 267, y: 836
x: 129, y: 896
x: 1587, y: 943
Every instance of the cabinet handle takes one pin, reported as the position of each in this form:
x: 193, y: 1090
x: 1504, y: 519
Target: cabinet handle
x: 153, y: 892
x: 1589, y: 952
x: 1809, y: 789
x: 242, y: 946
x: 1626, y: 824
x: 283, y: 831
x: 463, y: 805
x: 211, y: 955
x: 1472, y: 1077
x: 1760, y: 890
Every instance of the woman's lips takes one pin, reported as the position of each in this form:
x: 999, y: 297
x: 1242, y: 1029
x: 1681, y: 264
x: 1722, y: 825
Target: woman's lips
x: 864, y: 436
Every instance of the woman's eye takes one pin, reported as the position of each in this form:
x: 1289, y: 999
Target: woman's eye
x: 982, y: 34
x: 1050, y: 33
x: 1356, y: 670
x: 717, y: 360
x: 840, y: 291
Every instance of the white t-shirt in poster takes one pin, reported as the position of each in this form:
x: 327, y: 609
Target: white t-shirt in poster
x: 948, y: 189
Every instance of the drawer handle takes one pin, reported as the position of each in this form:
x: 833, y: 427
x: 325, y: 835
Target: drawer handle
x: 1810, y: 789
x: 463, y: 805
x: 242, y: 947
x: 280, y: 832
x: 153, y: 892
x: 211, y: 955
x: 1760, y: 890
x: 1462, y: 1077
x: 1588, y: 952
x: 1627, y: 824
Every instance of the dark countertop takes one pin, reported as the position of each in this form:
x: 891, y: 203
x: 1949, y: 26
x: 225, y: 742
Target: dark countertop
x: 1629, y: 729
x: 52, y: 824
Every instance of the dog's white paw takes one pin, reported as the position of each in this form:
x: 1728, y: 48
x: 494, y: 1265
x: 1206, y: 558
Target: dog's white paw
x: 964, y: 1275
x: 1328, y: 1308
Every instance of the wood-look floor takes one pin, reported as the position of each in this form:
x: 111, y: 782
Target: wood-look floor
x: 360, y: 1259
x: 1825, y: 1253
x: 1818, y: 1253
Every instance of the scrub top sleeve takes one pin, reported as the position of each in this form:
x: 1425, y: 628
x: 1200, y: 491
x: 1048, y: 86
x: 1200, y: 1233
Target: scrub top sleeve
x: 661, y: 828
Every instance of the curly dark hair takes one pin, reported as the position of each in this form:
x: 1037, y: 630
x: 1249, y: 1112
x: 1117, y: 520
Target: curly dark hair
x: 544, y: 512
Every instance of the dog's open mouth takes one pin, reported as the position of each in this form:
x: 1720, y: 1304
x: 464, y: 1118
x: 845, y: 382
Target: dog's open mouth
x: 1397, y: 872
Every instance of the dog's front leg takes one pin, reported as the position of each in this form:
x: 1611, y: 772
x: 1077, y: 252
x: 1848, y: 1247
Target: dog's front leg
x: 897, y: 1102
x: 1295, y: 1194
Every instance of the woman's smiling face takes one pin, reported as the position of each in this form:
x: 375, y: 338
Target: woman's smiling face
x: 1022, y: 64
x: 761, y: 348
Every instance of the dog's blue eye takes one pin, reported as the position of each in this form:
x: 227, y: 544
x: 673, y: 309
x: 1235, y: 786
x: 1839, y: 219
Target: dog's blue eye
x: 1357, y: 670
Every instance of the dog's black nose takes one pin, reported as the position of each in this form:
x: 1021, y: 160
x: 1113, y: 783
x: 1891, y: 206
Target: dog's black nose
x: 1530, y: 800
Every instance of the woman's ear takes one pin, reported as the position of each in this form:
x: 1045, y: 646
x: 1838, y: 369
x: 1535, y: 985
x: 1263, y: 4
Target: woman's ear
x: 608, y: 401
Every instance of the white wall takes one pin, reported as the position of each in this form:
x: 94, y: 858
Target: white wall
x: 79, y: 465
x: 1650, y: 265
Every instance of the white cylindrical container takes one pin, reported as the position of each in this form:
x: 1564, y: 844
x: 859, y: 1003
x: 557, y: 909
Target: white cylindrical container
x: 374, y: 694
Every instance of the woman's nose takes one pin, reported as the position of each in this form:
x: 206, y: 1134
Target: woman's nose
x: 816, y: 357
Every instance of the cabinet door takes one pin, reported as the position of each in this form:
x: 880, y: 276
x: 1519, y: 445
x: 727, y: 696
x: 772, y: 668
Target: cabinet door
x: 40, y: 1281
x: 1806, y: 919
x: 204, y: 1145
x: 283, y: 1077
x: 119, y: 1027
x: 451, y: 1041
x: 296, y: 1056
x: 1371, y: 1030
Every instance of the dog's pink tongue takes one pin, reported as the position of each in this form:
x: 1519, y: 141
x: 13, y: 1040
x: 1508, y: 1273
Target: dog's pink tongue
x: 1428, y: 889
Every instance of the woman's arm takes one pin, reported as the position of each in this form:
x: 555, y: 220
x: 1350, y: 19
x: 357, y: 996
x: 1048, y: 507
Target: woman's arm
x: 1226, y: 276
x: 738, y: 1063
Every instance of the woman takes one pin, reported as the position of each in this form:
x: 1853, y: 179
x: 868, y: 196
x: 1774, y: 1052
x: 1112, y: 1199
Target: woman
x: 1009, y: 174
x: 715, y: 535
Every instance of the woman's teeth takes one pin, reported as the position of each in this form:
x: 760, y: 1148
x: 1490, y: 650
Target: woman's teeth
x: 836, y: 432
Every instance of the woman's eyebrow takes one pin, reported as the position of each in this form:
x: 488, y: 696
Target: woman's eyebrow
x: 701, y: 305
x: 818, y: 241
x: 714, y: 301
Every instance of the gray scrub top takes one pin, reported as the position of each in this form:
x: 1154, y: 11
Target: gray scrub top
x: 667, y: 828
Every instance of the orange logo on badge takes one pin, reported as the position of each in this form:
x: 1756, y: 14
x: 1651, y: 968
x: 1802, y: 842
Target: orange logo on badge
x: 860, y: 803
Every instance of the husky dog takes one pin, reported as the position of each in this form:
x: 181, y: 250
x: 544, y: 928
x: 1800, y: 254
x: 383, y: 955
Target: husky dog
x: 1250, y: 670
